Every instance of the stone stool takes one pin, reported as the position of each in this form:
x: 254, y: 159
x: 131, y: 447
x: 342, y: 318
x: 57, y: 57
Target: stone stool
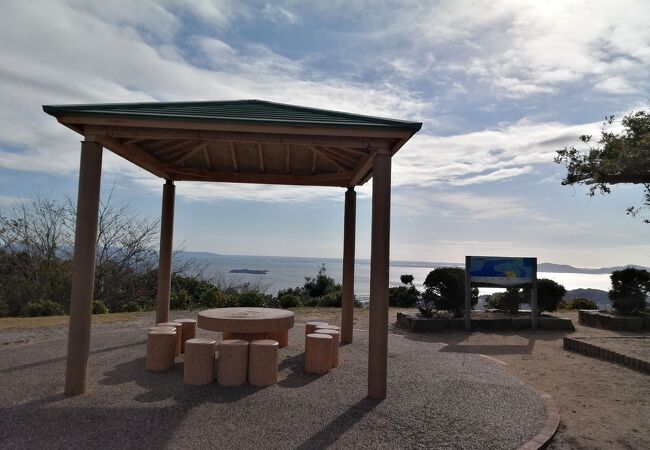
x: 263, y: 362
x: 318, y: 353
x: 281, y: 336
x: 179, y: 332
x: 188, y: 331
x: 233, y: 362
x: 335, y: 344
x: 199, y: 361
x: 161, y: 343
x: 310, y: 327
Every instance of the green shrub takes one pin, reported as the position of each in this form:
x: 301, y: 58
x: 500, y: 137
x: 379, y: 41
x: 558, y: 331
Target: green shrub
x: 321, y: 284
x: 42, y: 308
x: 582, y: 303
x: 290, y: 301
x: 445, y: 291
x: 507, y: 301
x: 403, y: 296
x: 310, y: 302
x: 549, y: 294
x: 251, y: 299
x: 131, y: 306
x: 180, y: 299
x: 213, y: 298
x: 99, y: 307
x: 331, y: 300
x: 630, y: 288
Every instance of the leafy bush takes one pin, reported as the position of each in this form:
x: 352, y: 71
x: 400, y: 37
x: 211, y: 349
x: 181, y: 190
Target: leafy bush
x: 507, y: 301
x: 549, y: 294
x: 403, y: 296
x: 406, y: 279
x: 252, y: 299
x: 131, y: 306
x: 43, y: 308
x: 289, y: 300
x: 99, y: 307
x: 445, y: 291
x: 333, y: 299
x: 582, y: 303
x: 630, y: 288
x: 321, y: 284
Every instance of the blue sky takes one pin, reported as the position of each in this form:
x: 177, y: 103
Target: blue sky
x: 499, y: 86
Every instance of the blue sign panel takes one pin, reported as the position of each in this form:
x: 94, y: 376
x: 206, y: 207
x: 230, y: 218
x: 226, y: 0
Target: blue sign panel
x: 501, y: 271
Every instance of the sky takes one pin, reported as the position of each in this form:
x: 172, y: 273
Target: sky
x: 498, y: 85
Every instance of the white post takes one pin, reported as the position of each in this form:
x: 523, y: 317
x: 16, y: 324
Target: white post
x: 468, y: 295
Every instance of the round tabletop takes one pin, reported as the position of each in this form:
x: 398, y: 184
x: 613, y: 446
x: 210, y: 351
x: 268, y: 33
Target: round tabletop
x: 245, y: 320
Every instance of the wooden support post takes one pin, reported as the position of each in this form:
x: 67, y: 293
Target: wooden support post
x: 379, y: 265
x: 468, y: 295
x: 165, y: 259
x: 349, y: 223
x: 83, y: 272
x: 533, y: 299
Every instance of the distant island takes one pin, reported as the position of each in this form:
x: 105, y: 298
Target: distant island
x: 250, y: 271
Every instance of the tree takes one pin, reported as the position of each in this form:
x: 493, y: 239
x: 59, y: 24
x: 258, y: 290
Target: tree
x: 445, y: 291
x: 321, y: 285
x: 549, y: 294
x: 507, y: 301
x: 630, y: 288
x: 405, y: 296
x: 617, y: 158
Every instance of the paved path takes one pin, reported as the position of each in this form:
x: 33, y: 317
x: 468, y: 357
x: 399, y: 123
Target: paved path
x: 436, y: 400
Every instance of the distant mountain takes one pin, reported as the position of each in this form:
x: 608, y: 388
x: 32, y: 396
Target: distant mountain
x: 595, y: 295
x: 541, y: 267
x: 564, y: 268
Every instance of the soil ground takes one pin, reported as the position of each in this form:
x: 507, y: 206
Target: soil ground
x: 602, y: 404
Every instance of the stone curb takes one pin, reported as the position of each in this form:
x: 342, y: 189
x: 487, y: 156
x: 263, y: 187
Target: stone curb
x: 588, y: 349
x: 544, y: 437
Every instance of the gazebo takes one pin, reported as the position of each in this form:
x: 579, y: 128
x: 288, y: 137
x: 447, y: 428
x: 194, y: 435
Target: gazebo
x: 246, y: 141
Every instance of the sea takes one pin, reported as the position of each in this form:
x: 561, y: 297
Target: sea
x: 284, y: 272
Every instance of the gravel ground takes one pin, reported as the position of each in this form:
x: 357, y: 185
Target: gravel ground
x: 437, y: 399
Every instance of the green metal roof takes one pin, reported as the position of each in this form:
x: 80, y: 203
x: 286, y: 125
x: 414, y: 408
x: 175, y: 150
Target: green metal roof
x: 237, y: 111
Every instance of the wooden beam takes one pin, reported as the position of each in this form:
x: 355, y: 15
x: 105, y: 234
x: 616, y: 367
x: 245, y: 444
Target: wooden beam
x: 233, y: 155
x: 288, y: 150
x: 341, y: 157
x: 358, y: 151
x: 334, y: 179
x: 188, y: 154
x: 136, y: 155
x: 229, y: 136
x: 314, y: 161
x: 230, y: 126
x: 165, y: 148
x: 206, y: 156
x: 260, y: 152
x: 340, y: 167
x: 361, y: 170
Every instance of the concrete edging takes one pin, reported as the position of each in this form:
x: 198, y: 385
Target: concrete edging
x: 546, y: 434
x: 588, y: 349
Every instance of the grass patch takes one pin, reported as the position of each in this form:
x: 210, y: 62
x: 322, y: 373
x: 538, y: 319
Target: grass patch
x: 21, y: 323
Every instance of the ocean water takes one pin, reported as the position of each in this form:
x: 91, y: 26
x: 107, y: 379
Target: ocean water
x: 284, y: 272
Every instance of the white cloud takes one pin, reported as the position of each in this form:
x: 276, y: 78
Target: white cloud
x: 6, y: 200
x: 504, y: 152
x: 279, y: 14
x: 615, y: 85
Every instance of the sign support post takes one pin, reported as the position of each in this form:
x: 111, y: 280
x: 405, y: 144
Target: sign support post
x: 533, y: 299
x: 468, y: 295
